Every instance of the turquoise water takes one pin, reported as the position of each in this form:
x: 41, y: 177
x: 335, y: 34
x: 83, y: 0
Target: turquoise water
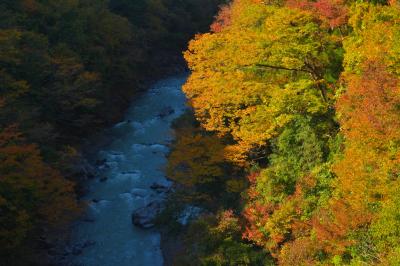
x: 134, y: 159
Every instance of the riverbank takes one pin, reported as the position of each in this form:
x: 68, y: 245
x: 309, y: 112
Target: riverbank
x: 85, y: 166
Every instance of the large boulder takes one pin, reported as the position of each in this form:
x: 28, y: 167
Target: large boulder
x: 145, y: 217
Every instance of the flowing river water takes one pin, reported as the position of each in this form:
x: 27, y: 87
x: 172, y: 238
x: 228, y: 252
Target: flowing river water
x: 128, y: 165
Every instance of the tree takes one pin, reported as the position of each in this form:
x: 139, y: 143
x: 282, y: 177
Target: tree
x: 197, y: 163
x: 367, y: 109
x: 32, y: 194
x: 255, y: 76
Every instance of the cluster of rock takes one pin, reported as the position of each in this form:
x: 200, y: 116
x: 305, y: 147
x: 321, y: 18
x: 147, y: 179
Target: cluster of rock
x: 145, y: 217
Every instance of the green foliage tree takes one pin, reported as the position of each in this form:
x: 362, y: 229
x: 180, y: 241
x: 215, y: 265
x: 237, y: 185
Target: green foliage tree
x: 218, y: 243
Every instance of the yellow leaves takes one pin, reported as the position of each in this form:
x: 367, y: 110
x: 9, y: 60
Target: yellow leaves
x: 280, y: 222
x: 255, y: 127
x: 235, y: 185
x: 361, y: 182
x: 227, y: 222
x: 196, y: 158
x: 369, y: 123
x: 375, y: 37
x: 237, y: 153
x: 251, y: 78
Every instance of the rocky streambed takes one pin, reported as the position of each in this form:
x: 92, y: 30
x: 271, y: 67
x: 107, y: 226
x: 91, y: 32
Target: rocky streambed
x: 129, y: 186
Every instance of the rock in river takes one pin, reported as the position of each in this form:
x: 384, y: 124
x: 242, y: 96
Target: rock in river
x: 144, y: 217
x: 161, y: 187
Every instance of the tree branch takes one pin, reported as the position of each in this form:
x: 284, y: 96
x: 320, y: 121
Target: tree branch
x: 284, y: 68
x: 316, y: 76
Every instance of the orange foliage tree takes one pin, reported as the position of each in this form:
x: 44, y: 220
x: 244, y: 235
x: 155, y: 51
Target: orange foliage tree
x: 368, y: 166
x: 31, y: 193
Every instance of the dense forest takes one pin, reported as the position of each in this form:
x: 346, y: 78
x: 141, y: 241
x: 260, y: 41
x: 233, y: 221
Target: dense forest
x: 67, y: 69
x: 294, y: 152
x: 291, y: 147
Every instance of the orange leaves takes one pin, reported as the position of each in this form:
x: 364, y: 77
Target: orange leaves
x: 301, y: 251
x: 368, y: 107
x: 370, y: 123
x: 369, y: 117
x: 30, y: 191
x: 255, y: 213
x: 334, y: 11
x: 371, y: 126
x: 333, y: 225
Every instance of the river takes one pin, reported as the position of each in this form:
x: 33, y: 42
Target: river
x: 128, y: 165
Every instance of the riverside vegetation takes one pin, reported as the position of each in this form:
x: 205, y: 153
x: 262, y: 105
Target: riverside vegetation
x: 67, y: 69
x: 294, y: 151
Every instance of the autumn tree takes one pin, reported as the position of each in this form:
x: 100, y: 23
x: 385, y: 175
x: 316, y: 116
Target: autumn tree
x: 307, y: 94
x: 256, y: 75
x: 32, y: 195
x: 368, y: 115
x: 197, y: 163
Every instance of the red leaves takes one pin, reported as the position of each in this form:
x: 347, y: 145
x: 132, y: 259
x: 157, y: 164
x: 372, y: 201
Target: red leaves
x: 334, y: 224
x: 222, y: 20
x: 270, y: 224
x: 333, y: 12
x: 253, y: 177
x: 370, y: 123
x: 254, y: 214
x: 8, y: 135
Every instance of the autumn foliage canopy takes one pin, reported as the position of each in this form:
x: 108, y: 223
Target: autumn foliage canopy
x: 306, y: 94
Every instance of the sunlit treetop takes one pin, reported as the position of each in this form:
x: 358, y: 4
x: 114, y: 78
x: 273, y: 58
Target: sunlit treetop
x: 267, y: 65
